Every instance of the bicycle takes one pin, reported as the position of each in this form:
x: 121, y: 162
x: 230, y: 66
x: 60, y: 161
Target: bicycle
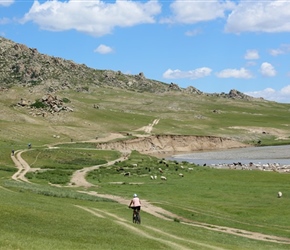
x: 136, y: 216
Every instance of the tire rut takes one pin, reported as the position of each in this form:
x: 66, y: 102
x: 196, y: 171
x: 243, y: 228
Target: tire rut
x: 139, y: 231
x: 78, y: 180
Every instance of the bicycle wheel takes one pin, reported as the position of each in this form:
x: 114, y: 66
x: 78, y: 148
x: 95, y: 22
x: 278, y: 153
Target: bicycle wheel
x: 138, y: 218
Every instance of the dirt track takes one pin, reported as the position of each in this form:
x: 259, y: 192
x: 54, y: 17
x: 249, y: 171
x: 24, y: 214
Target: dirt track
x: 79, y: 180
x: 21, y: 165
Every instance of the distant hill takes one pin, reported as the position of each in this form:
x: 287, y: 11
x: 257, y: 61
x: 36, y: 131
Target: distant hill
x: 27, y: 67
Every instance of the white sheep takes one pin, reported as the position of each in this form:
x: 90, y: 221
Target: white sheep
x: 163, y: 178
x: 155, y: 177
x: 181, y: 175
x: 152, y: 177
x: 279, y: 194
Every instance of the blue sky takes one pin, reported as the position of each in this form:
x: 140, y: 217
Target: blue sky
x: 212, y: 45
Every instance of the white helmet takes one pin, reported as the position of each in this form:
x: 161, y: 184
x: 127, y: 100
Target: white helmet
x: 135, y: 195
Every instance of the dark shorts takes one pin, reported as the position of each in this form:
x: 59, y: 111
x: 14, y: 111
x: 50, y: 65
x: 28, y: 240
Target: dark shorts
x: 136, y: 208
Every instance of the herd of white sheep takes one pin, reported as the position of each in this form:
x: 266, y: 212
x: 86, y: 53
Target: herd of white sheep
x: 162, y: 177
x: 276, y: 167
x: 251, y: 166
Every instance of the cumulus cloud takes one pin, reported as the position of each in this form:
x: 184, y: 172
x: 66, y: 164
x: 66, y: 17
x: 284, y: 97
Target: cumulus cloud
x: 93, y: 17
x: 267, y: 69
x: 234, y: 73
x: 197, y: 11
x: 103, y: 49
x: 252, y: 55
x: 191, y: 74
x: 260, y: 16
x: 6, y: 2
x: 282, y: 95
x: 284, y: 49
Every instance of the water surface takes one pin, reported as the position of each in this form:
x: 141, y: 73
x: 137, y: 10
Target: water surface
x: 263, y: 155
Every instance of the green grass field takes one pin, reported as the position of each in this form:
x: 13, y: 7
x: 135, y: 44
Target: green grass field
x: 38, y: 215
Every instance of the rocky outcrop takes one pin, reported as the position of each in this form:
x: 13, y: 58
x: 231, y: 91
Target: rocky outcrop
x: 169, y: 144
x: 47, y: 104
x: 194, y: 90
x: 54, y: 104
x: 235, y: 94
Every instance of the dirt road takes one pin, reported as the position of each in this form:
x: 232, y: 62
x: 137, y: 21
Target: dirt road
x: 79, y: 180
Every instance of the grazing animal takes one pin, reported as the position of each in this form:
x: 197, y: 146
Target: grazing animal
x: 181, y: 175
x: 152, y: 177
x: 163, y: 178
x: 279, y: 194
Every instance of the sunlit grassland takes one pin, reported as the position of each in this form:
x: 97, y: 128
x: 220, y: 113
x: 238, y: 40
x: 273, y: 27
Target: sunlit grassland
x: 34, y: 220
x: 37, y: 216
x: 243, y: 199
x: 126, y: 111
x: 31, y: 221
x: 240, y: 199
x: 60, y: 163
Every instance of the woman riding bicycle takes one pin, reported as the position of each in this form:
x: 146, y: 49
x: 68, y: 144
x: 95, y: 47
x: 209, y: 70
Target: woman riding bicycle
x: 135, y: 203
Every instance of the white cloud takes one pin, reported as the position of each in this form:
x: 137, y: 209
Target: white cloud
x: 252, y: 55
x: 284, y: 49
x: 93, y: 17
x: 194, y: 32
x: 260, y: 16
x: 251, y: 63
x: 191, y: 74
x: 4, y: 20
x: 234, y: 73
x: 6, y: 2
x: 197, y: 11
x: 276, y: 52
x: 282, y: 95
x: 103, y: 49
x: 267, y: 69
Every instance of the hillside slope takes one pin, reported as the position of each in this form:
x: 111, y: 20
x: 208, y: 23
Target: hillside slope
x: 46, y: 99
x: 25, y: 66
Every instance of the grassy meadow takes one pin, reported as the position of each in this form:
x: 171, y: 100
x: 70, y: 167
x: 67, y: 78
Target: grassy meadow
x: 38, y: 215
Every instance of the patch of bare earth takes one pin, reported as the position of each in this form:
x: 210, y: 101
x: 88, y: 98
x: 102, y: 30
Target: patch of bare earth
x: 278, y: 133
x: 171, y: 144
x: 79, y: 177
x: 21, y: 165
x: 148, y: 129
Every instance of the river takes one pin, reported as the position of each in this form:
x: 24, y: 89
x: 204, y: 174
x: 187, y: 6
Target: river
x: 262, y: 155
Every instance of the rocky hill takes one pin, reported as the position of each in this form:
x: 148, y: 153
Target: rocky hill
x: 27, y: 67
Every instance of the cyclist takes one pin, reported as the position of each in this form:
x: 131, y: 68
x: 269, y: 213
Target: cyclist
x: 135, y: 203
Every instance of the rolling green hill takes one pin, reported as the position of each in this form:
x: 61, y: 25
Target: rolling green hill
x: 65, y: 110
